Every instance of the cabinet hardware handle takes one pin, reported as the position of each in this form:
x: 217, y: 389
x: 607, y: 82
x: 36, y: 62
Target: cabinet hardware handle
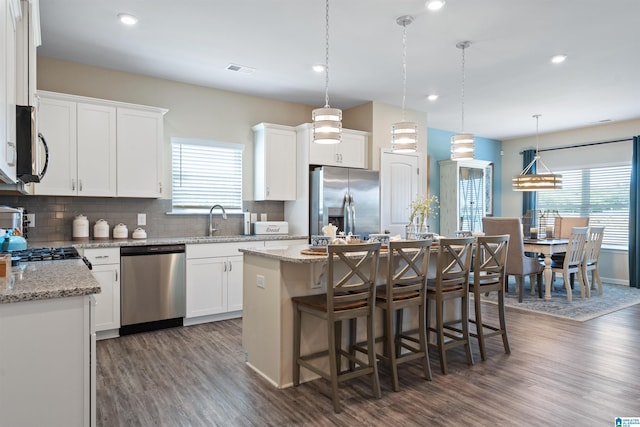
x: 73, y: 185
x: 116, y: 271
x: 160, y: 187
x: 230, y: 266
x: 225, y: 266
x: 80, y: 185
x: 102, y: 256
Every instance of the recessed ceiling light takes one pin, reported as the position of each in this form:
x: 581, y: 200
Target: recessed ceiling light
x: 127, y: 19
x: 318, y: 68
x: 432, y: 97
x: 557, y: 59
x: 435, y: 4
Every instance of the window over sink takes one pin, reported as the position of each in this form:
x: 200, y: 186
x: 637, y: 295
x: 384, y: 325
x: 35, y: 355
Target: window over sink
x: 205, y: 172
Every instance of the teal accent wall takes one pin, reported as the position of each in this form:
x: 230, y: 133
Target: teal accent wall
x: 438, y: 148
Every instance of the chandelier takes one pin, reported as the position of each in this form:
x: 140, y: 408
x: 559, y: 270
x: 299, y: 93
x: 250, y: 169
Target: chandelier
x: 404, y: 135
x: 530, y: 180
x: 462, y: 146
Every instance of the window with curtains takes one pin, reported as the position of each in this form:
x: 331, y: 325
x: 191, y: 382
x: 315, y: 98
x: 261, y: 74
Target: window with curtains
x: 204, y: 173
x: 600, y: 193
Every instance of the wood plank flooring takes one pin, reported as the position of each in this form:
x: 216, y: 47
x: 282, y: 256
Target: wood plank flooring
x: 560, y: 372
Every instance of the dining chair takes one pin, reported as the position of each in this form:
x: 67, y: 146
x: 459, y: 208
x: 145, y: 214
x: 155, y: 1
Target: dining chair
x: 451, y: 282
x: 518, y: 264
x: 563, y: 226
x: 407, y: 266
x: 591, y: 256
x: 350, y: 294
x: 488, y: 275
x: 573, y: 261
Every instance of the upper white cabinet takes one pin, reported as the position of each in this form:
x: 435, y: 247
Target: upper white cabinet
x: 100, y: 148
x: 352, y: 152
x: 140, y: 136
x: 82, y: 148
x: 463, y: 195
x: 10, y: 15
x: 274, y: 162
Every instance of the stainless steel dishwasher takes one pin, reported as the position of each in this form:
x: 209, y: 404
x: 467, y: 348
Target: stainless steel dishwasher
x: 153, y: 287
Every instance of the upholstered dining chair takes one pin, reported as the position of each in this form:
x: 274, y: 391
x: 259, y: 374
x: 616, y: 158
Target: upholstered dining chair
x: 573, y: 260
x: 518, y: 264
x: 489, y: 263
x: 407, y: 266
x: 349, y: 295
x: 451, y: 282
x: 591, y: 256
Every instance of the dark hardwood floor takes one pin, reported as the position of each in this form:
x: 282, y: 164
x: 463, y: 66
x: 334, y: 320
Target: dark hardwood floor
x: 560, y: 372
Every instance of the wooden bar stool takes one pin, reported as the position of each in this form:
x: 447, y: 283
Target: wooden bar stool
x: 407, y: 267
x: 451, y: 282
x: 489, y: 276
x: 347, y: 298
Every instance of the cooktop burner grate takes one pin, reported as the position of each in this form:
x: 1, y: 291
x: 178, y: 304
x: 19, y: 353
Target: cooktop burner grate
x: 47, y: 254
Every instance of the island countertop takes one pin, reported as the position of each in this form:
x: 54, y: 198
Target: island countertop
x: 286, y: 253
x: 40, y: 280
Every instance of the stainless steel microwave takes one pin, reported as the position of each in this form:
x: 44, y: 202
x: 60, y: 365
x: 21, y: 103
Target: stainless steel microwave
x: 28, y: 143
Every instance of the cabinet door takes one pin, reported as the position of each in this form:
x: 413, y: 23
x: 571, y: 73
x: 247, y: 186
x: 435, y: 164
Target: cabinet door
x: 8, y: 23
x: 139, y: 152
x: 108, y: 300
x: 57, y: 123
x: 96, y: 133
x: 206, y: 286
x: 352, y: 151
x: 322, y: 154
x: 234, y: 283
x: 280, y: 165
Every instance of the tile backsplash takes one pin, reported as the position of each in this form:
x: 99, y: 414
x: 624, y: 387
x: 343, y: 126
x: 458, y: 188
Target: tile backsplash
x: 54, y: 216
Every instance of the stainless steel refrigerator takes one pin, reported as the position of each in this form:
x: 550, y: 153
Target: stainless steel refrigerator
x: 346, y: 198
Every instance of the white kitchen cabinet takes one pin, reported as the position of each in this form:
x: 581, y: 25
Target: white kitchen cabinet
x: 10, y: 14
x: 140, y: 142
x: 274, y: 162
x: 214, y: 280
x: 462, y: 195
x: 352, y: 152
x: 47, y: 363
x: 106, y: 270
x: 82, y: 148
x: 100, y: 148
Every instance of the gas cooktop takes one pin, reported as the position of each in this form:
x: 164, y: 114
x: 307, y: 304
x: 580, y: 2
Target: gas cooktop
x: 46, y: 254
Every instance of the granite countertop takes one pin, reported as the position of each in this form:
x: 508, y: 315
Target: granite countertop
x: 116, y: 243
x: 40, y: 280
x: 292, y: 254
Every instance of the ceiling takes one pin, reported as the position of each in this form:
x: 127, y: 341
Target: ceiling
x: 508, y: 73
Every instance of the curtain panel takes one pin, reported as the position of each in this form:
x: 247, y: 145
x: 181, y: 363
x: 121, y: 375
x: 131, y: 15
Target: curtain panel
x: 528, y: 197
x: 634, y: 216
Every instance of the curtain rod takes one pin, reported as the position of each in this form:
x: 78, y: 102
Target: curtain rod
x: 586, y: 144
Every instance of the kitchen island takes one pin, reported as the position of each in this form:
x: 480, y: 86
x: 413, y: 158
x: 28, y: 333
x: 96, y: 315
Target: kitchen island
x: 47, y: 346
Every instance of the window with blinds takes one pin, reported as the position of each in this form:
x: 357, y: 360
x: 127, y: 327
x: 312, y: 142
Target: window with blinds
x: 602, y: 194
x: 205, y: 173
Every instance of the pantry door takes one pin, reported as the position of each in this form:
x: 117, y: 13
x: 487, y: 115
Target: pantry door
x: 400, y: 183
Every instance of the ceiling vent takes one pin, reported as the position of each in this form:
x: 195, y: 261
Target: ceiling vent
x: 240, y: 69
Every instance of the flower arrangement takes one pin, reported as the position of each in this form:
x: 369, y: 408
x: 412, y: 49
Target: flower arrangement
x: 423, y: 207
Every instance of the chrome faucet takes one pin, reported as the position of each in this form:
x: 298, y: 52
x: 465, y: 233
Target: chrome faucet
x: 224, y: 216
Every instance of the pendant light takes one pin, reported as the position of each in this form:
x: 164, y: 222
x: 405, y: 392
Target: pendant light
x: 404, y: 135
x: 462, y: 144
x: 327, y: 121
x: 530, y: 180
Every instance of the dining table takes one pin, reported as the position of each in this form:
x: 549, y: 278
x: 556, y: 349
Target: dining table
x: 547, y: 247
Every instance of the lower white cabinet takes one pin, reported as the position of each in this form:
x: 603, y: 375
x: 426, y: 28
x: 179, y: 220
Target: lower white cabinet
x: 47, y: 369
x: 214, y: 278
x: 106, y: 270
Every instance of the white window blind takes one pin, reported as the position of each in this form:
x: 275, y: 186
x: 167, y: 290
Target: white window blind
x: 205, y: 173
x: 601, y: 193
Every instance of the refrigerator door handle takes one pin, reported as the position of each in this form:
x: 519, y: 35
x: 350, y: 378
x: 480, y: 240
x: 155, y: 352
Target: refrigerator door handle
x: 353, y: 213
x: 346, y: 213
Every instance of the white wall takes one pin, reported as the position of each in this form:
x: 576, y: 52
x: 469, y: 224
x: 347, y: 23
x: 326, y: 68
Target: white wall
x: 614, y: 267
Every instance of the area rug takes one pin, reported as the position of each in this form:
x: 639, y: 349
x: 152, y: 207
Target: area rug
x: 613, y: 298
